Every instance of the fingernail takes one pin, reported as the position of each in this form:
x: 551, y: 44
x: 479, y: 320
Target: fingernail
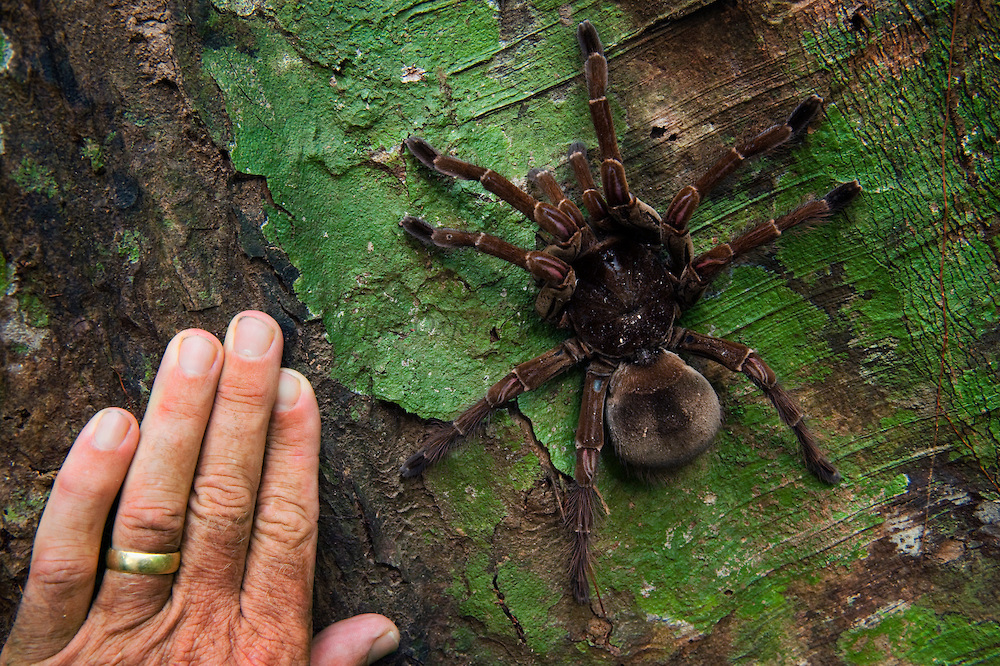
x: 253, y: 337
x: 112, y: 426
x: 196, y: 355
x: 289, y: 390
x: 385, y: 644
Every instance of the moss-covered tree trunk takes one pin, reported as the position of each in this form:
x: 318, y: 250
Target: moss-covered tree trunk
x: 164, y: 166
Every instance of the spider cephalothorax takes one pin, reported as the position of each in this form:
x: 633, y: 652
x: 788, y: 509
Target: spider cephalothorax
x: 619, y: 280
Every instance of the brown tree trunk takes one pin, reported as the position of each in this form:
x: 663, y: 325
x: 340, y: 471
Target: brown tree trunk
x: 126, y: 215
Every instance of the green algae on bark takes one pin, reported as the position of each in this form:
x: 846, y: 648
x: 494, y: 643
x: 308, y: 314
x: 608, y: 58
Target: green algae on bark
x: 919, y: 635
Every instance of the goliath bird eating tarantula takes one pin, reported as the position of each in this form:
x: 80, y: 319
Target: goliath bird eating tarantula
x: 620, y: 279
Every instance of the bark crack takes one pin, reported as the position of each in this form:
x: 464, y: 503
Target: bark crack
x: 501, y: 601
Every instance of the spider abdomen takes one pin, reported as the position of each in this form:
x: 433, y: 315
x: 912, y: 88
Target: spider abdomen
x: 661, y: 415
x: 624, y: 305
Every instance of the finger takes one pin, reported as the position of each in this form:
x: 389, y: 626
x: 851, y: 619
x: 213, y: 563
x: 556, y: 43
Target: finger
x: 221, y: 506
x: 68, y: 542
x: 279, y: 576
x: 153, y: 502
x: 359, y: 640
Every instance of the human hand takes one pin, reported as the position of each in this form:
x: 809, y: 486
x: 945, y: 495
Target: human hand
x: 196, y: 477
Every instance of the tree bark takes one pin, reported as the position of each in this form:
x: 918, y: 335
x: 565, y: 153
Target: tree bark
x: 166, y: 166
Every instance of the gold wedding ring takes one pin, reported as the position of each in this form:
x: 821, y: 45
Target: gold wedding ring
x: 128, y: 561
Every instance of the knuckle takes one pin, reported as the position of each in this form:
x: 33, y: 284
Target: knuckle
x: 152, y: 517
x: 222, y: 496
x: 286, y: 522
x: 82, y: 491
x: 181, y: 409
x: 63, y: 576
x: 243, y: 397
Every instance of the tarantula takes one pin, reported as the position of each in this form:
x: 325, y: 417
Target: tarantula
x: 619, y: 280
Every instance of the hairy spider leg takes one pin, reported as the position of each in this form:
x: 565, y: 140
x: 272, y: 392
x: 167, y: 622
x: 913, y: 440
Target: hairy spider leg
x: 703, y: 269
x: 557, y: 278
x: 583, y: 495
x: 557, y: 223
x: 542, y: 266
x: 595, y: 68
x: 674, y: 234
x: 525, y: 377
x: 740, y: 358
x: 626, y: 207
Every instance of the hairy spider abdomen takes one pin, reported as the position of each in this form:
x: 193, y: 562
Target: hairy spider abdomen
x: 661, y: 415
x: 624, y: 305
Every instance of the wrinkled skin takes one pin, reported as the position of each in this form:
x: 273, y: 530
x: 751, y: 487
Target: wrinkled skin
x: 223, y: 468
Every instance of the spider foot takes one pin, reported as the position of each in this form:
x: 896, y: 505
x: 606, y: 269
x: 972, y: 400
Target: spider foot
x: 825, y: 471
x: 590, y: 41
x: 435, y: 447
x: 579, y: 569
x: 414, y: 465
x: 816, y: 462
x: 422, y: 150
x: 803, y: 113
x: 821, y: 468
x: 580, y: 519
x: 840, y: 196
x: 418, y: 228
